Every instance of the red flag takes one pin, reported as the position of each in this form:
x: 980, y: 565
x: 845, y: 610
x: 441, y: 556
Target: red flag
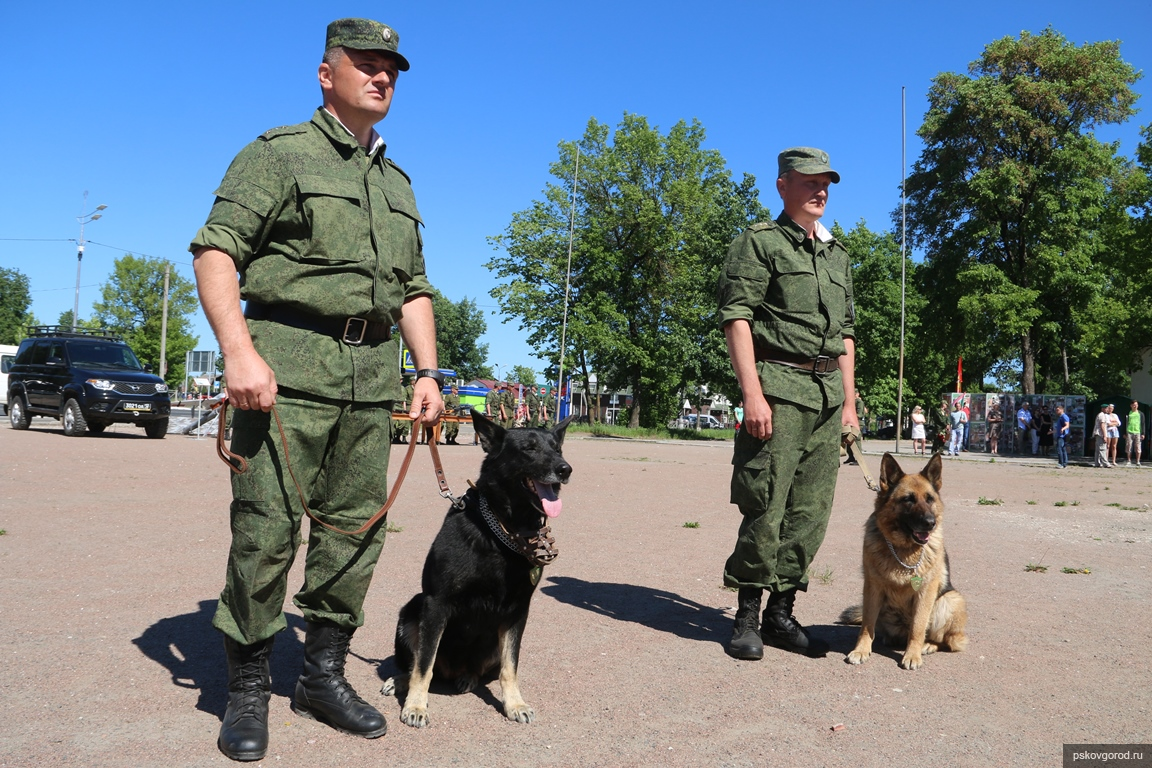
x: 960, y: 374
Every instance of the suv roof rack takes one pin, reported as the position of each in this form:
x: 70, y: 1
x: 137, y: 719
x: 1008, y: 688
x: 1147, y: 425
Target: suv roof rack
x: 69, y: 331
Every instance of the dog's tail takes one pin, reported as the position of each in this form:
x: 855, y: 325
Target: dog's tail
x: 853, y: 615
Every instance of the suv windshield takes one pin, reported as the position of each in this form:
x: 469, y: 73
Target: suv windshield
x: 98, y: 354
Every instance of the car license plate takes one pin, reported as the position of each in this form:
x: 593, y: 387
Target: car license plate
x: 137, y: 406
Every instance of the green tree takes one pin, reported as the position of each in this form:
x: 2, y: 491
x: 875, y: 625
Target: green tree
x: 132, y: 305
x: 654, y: 216
x: 459, y: 326
x: 1009, y: 196
x: 876, y: 296
x: 1116, y: 323
x: 15, y: 299
x: 65, y: 321
x: 523, y: 375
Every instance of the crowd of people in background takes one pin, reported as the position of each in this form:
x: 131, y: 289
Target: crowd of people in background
x: 1036, y: 431
x: 1108, y: 427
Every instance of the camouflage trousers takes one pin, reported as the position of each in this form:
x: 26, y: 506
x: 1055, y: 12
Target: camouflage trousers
x: 451, y: 430
x: 784, y: 488
x: 401, y: 428
x: 339, y: 454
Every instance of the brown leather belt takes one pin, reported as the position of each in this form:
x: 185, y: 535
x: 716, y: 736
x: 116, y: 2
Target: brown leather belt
x: 350, y: 330
x: 821, y: 365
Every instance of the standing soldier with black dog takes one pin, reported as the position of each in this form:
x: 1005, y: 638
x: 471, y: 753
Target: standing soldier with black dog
x: 785, y: 298
x: 324, y: 232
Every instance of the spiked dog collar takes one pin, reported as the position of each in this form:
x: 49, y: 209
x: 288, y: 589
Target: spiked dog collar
x: 538, y: 548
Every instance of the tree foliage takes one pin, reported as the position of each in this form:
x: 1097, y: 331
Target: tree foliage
x: 459, y: 326
x: 1117, y: 323
x: 132, y: 305
x: 1011, y: 195
x: 654, y: 214
x: 15, y: 299
x: 876, y: 295
x: 523, y: 375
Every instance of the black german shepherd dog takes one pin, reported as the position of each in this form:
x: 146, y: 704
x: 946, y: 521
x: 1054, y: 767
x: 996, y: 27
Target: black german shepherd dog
x: 481, y: 572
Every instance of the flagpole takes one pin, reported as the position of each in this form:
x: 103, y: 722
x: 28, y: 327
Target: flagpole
x: 903, y: 241
x: 567, y: 283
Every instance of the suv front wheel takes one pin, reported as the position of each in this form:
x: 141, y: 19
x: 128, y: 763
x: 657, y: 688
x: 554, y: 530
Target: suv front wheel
x: 156, y: 429
x: 74, y: 423
x: 17, y: 414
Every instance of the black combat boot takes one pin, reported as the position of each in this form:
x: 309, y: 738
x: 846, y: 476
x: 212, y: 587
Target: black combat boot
x: 781, y: 629
x: 244, y: 732
x: 323, y: 694
x: 745, y: 643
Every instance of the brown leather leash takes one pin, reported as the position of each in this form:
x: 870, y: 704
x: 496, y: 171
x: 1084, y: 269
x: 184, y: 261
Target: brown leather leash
x: 239, y: 465
x: 851, y: 440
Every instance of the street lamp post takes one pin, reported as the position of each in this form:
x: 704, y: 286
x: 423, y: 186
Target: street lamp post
x: 83, y: 219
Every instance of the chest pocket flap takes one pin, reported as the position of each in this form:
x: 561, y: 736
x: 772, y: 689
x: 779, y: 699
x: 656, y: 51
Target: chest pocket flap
x: 403, y: 201
x: 329, y: 187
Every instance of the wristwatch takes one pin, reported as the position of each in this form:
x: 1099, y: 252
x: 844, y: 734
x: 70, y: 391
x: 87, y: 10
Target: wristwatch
x: 431, y: 373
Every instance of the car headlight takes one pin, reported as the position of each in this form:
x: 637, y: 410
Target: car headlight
x: 161, y: 388
x: 101, y: 383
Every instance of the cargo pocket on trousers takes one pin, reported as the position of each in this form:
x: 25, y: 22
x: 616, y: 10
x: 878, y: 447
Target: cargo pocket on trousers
x: 751, y: 462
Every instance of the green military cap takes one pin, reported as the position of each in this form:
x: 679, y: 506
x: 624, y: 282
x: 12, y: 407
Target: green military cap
x: 806, y: 160
x: 365, y: 35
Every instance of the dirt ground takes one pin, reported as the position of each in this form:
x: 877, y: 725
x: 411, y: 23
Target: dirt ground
x: 113, y: 554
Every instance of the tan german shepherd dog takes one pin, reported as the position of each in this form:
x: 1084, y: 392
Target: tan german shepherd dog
x: 908, y: 597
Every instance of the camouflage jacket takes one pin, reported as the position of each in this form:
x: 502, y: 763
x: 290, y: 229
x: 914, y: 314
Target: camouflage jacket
x: 796, y: 292
x: 318, y: 223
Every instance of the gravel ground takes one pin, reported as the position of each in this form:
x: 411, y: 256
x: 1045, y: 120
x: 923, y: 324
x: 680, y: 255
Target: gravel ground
x: 113, y: 553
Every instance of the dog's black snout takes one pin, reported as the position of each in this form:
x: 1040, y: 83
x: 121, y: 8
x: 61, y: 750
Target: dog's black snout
x: 929, y: 520
x: 564, y: 470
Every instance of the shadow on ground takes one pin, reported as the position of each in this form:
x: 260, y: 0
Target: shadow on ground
x: 653, y: 608
x: 192, y: 650
x: 668, y: 612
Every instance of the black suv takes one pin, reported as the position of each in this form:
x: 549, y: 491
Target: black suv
x: 87, y: 379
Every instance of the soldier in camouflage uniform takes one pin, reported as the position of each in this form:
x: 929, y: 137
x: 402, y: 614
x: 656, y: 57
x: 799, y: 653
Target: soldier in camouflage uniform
x: 401, y: 427
x: 547, y: 402
x: 324, y: 232
x: 493, y: 403
x: 508, y: 400
x: 533, y: 407
x: 785, y: 298
x: 452, y: 408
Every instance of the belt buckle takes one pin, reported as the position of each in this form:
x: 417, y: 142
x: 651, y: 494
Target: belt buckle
x: 822, y: 365
x: 354, y: 334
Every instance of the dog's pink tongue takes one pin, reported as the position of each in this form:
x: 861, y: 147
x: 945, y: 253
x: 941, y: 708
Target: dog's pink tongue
x: 548, y: 498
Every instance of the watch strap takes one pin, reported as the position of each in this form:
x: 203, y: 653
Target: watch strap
x: 430, y: 373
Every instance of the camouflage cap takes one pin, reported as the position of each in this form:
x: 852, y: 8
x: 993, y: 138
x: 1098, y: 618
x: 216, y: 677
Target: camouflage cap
x: 806, y: 160
x: 365, y: 35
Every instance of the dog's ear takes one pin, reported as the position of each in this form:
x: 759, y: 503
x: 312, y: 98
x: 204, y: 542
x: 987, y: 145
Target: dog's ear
x: 559, y: 430
x: 890, y: 473
x: 490, y: 433
x: 933, y: 472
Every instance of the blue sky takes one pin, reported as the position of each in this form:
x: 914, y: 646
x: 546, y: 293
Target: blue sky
x: 144, y: 105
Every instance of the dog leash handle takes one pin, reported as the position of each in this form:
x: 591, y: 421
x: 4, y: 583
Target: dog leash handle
x: 239, y: 465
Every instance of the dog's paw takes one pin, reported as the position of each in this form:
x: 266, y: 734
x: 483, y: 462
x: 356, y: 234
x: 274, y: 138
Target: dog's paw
x: 466, y: 683
x: 956, y: 642
x: 395, y: 686
x: 857, y: 657
x: 520, y: 714
x: 912, y: 661
x: 929, y: 648
x: 417, y: 717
